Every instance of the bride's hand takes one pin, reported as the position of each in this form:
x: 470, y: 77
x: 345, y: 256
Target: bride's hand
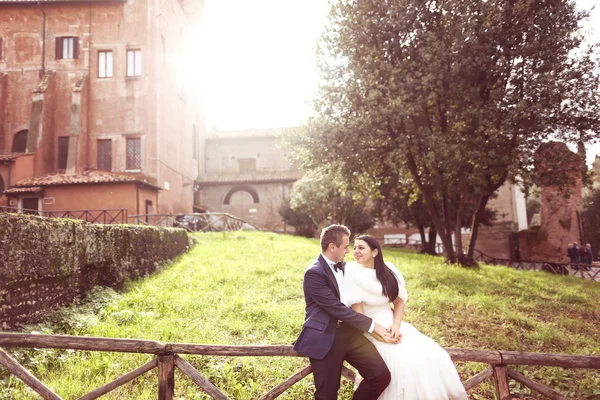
x: 394, y: 332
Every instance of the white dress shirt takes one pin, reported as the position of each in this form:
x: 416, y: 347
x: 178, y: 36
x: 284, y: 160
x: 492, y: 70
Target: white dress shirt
x: 339, y: 278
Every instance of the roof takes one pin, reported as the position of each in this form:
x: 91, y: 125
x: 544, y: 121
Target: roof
x: 89, y: 176
x: 247, y: 133
x: 251, y: 177
x: 32, y: 189
x: 10, y: 156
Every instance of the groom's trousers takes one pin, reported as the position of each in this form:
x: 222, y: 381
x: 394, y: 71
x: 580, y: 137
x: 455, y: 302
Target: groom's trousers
x: 351, y: 345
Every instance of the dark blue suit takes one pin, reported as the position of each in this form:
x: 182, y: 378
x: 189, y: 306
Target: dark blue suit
x: 329, y: 343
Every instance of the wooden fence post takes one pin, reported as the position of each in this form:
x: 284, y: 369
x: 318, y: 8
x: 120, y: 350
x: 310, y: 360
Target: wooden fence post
x: 166, y: 376
x: 500, y: 376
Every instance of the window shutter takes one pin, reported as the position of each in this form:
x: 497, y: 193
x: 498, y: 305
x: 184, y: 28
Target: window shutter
x: 58, y: 48
x: 75, y: 47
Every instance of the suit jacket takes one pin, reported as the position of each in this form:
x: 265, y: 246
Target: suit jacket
x: 323, y: 310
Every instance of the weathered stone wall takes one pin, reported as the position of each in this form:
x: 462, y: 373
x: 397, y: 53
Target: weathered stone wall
x: 48, y: 263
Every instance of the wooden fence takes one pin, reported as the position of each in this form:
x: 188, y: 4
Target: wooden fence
x: 167, y: 358
x: 199, y: 222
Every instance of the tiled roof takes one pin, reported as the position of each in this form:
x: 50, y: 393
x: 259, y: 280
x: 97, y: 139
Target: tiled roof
x: 89, y: 176
x: 10, y: 156
x: 19, y: 190
x: 249, y: 177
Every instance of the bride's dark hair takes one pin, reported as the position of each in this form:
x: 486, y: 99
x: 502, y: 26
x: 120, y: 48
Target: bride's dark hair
x: 388, y: 280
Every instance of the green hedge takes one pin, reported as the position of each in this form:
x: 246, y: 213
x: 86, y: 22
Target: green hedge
x: 48, y: 263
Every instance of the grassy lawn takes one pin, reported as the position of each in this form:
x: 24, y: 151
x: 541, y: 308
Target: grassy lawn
x: 246, y: 288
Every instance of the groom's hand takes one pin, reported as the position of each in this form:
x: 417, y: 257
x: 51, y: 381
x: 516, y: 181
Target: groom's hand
x: 380, y: 333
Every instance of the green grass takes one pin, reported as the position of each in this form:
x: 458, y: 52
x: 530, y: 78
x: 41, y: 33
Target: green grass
x: 246, y: 288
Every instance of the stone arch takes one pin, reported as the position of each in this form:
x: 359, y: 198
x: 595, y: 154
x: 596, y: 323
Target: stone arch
x: 19, y: 144
x: 248, y: 189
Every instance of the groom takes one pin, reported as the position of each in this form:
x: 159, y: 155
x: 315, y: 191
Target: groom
x: 332, y: 332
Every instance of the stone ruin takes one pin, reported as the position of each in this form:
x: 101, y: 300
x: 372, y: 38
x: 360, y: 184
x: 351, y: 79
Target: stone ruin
x: 558, y: 172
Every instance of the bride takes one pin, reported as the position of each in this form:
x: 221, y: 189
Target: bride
x: 420, y: 368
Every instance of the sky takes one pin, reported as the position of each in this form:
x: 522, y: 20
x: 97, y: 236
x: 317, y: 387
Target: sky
x: 258, y: 61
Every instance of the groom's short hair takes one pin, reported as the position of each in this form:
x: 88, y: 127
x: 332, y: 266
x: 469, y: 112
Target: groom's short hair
x: 333, y: 234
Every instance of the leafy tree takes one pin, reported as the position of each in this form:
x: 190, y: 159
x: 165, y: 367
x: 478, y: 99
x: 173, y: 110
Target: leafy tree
x: 320, y: 196
x: 455, y: 94
x: 299, y: 219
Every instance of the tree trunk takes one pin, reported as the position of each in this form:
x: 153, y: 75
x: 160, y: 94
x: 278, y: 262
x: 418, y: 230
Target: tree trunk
x: 423, y: 238
x: 477, y: 217
x: 430, y: 204
x: 458, y: 226
x: 432, y: 243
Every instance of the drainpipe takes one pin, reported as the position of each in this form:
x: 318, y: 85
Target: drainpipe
x: 43, y: 71
x: 137, y: 202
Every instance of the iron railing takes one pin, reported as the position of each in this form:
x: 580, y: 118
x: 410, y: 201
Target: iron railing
x: 199, y: 222
x: 107, y: 216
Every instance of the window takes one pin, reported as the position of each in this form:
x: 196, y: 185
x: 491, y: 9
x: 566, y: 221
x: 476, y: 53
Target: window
x: 134, y: 154
x: 105, y: 64
x: 134, y: 63
x: 63, y: 151
x: 247, y: 164
x: 105, y: 154
x: 67, y: 47
x: 1, y: 48
x: 1, y: 186
x: 19, y: 144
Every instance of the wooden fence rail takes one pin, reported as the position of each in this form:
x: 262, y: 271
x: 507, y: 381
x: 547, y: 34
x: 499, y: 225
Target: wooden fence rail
x: 167, y: 359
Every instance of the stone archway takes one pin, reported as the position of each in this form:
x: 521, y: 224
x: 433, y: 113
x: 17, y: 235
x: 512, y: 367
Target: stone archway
x: 247, y: 189
x: 19, y: 144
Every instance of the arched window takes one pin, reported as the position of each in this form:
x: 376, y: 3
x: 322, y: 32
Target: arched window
x: 1, y: 186
x: 19, y: 144
x: 249, y: 190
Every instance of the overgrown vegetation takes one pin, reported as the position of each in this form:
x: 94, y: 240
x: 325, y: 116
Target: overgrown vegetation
x: 246, y: 288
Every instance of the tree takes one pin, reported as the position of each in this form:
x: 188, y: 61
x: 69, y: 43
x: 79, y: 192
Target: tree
x: 299, y: 219
x: 321, y: 197
x: 456, y: 95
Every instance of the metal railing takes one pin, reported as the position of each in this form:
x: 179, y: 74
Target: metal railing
x: 106, y: 216
x: 201, y: 222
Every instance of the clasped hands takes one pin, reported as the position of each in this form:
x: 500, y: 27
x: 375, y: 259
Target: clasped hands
x: 387, y: 335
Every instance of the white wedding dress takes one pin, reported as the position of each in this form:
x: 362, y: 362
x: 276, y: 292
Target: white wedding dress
x: 420, y: 368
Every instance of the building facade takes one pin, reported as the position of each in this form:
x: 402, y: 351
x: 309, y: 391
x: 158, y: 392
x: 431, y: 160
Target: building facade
x: 247, y: 174
x: 95, y: 95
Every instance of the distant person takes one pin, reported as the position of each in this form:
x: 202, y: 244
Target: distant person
x: 573, y: 253
x: 332, y: 331
x: 582, y: 256
x: 420, y: 368
x: 590, y: 255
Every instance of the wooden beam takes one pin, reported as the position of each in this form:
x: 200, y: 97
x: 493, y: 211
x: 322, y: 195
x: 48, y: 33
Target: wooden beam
x: 483, y: 356
x: 538, y: 387
x: 550, y: 360
x: 26, y: 340
x: 23, y: 374
x: 221, y: 350
x: 166, y: 377
x: 500, y: 376
x: 348, y: 373
x: 288, y: 383
x: 199, y: 379
x: 477, y: 379
x: 120, y: 381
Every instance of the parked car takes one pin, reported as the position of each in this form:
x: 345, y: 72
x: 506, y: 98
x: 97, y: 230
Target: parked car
x: 189, y: 222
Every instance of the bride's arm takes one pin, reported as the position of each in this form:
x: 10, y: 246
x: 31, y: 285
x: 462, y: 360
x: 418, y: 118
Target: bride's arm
x: 398, y: 316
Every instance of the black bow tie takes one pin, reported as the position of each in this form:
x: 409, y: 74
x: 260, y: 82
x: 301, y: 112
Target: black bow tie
x: 341, y: 266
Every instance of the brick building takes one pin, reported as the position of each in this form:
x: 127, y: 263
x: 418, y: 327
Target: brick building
x: 96, y: 110
x: 247, y: 174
